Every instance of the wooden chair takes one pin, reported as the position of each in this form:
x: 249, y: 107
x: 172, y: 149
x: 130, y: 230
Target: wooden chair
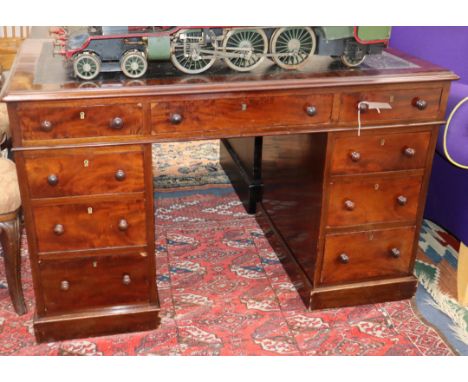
x: 10, y: 232
x: 10, y: 40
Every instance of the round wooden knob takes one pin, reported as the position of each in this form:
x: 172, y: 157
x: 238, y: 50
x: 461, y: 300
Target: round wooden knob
x: 363, y: 107
x: 175, y: 118
x: 349, y: 205
x: 402, y: 200
x: 59, y: 229
x: 311, y: 110
x: 123, y: 225
x: 395, y: 252
x: 46, y: 125
x: 116, y: 123
x: 355, y: 156
x: 409, y: 151
x: 52, y: 179
x: 419, y: 104
x: 64, y: 285
x: 120, y: 175
x: 126, y: 280
x: 343, y: 258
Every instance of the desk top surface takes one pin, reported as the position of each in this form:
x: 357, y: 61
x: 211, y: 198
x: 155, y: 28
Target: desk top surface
x: 38, y: 75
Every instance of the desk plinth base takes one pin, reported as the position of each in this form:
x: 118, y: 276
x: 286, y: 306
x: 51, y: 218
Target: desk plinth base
x: 363, y: 293
x: 96, y: 323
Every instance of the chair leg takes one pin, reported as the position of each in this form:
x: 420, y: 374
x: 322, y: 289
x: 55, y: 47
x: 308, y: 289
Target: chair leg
x: 462, y: 275
x: 10, y: 240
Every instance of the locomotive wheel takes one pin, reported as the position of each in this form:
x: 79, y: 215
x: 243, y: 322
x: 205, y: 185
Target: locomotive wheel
x: 133, y: 64
x: 292, y: 46
x: 352, y: 62
x: 245, y: 49
x: 86, y: 65
x: 189, y: 54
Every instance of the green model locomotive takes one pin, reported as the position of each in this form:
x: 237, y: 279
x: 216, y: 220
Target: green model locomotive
x: 193, y: 50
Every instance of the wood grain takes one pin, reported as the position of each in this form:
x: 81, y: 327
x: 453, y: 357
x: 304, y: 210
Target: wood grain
x: 369, y: 255
x: 240, y: 111
x: 90, y: 224
x: 68, y: 122
x: 94, y: 282
x: 374, y: 199
x: 379, y: 151
x: 401, y: 101
x: 85, y: 171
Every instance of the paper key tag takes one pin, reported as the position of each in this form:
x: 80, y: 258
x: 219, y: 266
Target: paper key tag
x: 378, y: 106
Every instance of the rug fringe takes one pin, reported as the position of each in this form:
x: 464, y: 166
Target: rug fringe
x: 445, y: 303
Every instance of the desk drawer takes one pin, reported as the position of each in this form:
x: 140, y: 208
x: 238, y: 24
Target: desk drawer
x: 242, y: 112
x: 367, y: 200
x: 379, y: 152
x: 90, y: 282
x: 91, y: 224
x: 360, y: 256
x: 407, y: 105
x: 63, y: 122
x: 55, y: 173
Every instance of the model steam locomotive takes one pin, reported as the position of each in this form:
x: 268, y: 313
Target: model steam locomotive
x: 193, y: 50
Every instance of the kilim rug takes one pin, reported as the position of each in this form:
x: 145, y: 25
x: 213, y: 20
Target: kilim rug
x: 223, y: 290
x: 436, y: 270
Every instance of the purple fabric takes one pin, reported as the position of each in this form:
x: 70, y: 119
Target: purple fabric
x: 457, y: 138
x: 447, y: 200
x: 444, y: 46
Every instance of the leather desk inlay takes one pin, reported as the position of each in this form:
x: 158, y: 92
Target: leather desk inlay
x: 351, y: 206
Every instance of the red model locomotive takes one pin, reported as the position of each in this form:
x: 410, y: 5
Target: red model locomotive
x: 195, y: 49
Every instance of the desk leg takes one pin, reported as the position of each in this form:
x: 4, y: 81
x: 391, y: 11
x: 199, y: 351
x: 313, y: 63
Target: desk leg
x: 241, y: 160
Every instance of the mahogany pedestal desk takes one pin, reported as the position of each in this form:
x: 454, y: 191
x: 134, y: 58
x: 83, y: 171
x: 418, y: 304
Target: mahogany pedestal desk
x: 348, y: 207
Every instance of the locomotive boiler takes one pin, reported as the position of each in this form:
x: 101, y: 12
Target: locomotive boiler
x: 194, y: 50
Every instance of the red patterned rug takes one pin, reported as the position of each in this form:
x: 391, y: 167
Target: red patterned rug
x: 224, y: 292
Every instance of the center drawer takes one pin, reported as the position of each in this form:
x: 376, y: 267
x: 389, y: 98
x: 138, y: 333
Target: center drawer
x: 373, y: 199
x: 361, y: 256
x: 88, y: 171
x: 91, y: 224
x: 44, y: 122
x: 240, y: 112
x: 91, y: 282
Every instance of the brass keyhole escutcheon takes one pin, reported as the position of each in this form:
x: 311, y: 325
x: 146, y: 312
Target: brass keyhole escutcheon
x: 90, y: 210
x: 382, y: 142
x: 243, y: 106
x: 376, y: 186
x: 86, y: 163
x: 82, y: 115
x: 94, y: 264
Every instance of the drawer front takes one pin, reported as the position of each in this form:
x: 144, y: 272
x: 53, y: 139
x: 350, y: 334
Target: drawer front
x: 85, y: 171
x: 411, y: 104
x: 366, y: 200
x: 100, y: 224
x: 379, y: 152
x: 90, y: 282
x: 62, y: 122
x: 243, y: 112
x: 361, y: 256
